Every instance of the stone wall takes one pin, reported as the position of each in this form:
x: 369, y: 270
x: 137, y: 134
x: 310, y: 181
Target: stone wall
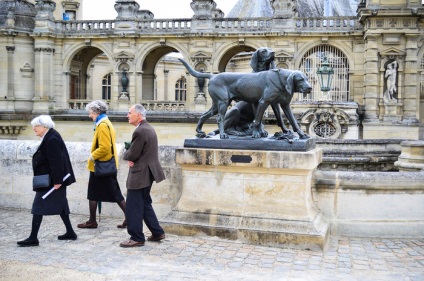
x: 357, y: 203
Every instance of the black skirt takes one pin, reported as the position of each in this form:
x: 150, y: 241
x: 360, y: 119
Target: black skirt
x: 105, y: 189
x: 54, y: 204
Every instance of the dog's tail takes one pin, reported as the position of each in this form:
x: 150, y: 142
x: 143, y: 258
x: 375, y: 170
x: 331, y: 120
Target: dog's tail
x: 195, y: 73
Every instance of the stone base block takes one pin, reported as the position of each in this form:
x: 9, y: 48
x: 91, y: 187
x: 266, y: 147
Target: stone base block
x: 253, y: 230
x: 259, y: 197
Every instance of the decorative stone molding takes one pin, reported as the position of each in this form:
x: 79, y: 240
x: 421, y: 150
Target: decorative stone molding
x: 201, y: 57
x: 145, y: 15
x: 70, y: 5
x: 283, y: 9
x: 46, y: 50
x: 27, y: 71
x: 203, y: 9
x: 126, y: 9
x: 124, y: 57
x: 283, y: 57
x: 10, y: 49
x: 328, y: 122
x: 45, y: 9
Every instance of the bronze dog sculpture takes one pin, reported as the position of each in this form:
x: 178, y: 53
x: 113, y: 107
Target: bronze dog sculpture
x: 239, y: 118
x: 271, y: 87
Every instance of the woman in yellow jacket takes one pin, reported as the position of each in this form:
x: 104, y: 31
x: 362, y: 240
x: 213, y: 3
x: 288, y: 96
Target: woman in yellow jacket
x: 106, y: 188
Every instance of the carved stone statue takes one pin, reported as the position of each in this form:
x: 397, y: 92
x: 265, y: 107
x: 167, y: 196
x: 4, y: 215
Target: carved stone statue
x: 390, y: 76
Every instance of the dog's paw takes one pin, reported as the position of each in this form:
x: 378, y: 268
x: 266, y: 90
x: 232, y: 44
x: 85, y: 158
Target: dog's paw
x: 201, y: 135
x: 256, y: 135
x: 303, y: 136
x: 224, y: 136
x: 264, y: 134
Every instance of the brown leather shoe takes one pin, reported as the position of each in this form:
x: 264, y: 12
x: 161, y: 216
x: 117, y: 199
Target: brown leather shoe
x: 131, y: 243
x: 87, y: 224
x: 123, y: 225
x: 155, y: 238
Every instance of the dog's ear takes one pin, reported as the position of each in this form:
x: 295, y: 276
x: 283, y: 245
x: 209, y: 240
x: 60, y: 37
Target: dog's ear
x: 289, y: 83
x: 254, y: 61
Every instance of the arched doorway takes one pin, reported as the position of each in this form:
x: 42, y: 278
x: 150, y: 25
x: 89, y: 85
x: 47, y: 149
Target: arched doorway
x: 149, y: 68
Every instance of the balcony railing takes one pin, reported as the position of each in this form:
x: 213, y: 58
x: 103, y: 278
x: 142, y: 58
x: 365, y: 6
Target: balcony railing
x: 229, y: 25
x: 175, y: 106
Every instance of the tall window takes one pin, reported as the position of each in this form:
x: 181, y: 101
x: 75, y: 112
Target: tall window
x: 180, y: 89
x: 338, y: 61
x: 106, y: 88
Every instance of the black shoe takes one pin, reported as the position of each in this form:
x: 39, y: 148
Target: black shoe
x: 67, y: 236
x: 156, y: 238
x: 28, y: 242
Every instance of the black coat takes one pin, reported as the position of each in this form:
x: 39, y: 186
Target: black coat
x: 52, y: 158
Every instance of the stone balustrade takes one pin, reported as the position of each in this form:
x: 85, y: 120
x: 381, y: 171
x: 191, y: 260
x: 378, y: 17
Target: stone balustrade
x: 172, y: 26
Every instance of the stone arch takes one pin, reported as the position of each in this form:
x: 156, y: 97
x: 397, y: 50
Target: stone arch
x: 77, y: 61
x: 147, y: 62
x: 228, y: 51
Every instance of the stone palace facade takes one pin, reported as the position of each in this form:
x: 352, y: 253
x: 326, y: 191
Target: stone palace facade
x: 55, y: 63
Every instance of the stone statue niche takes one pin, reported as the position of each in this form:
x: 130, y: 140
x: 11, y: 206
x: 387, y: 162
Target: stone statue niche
x: 390, y: 79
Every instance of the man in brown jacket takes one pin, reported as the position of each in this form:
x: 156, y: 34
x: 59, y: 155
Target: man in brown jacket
x: 144, y: 168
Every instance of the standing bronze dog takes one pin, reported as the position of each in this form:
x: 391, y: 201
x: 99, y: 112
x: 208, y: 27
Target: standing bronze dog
x: 263, y: 88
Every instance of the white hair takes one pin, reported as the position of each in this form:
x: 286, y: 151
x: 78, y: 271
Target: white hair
x: 43, y: 120
x: 97, y: 106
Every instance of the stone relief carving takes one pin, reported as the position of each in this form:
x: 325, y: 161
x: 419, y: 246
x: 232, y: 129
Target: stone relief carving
x: 328, y: 122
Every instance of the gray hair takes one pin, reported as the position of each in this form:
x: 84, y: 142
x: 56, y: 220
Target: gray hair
x: 97, y: 106
x: 140, y: 109
x: 43, y: 120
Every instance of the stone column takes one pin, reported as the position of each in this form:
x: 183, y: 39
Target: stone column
x: 371, y: 97
x: 43, y: 80
x: 8, y: 98
x: 411, y: 93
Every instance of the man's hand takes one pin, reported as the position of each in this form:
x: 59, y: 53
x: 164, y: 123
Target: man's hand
x: 131, y: 163
x: 56, y: 186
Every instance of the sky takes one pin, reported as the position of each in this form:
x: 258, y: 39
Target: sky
x: 104, y: 9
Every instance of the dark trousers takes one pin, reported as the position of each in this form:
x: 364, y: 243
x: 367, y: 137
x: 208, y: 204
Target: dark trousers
x: 139, y: 208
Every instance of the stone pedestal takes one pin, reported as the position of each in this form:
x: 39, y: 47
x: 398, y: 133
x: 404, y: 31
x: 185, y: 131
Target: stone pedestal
x: 392, y: 111
x: 258, y: 197
x: 412, y: 157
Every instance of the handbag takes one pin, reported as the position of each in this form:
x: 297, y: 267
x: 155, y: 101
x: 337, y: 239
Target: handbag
x: 106, y: 168
x: 41, y: 181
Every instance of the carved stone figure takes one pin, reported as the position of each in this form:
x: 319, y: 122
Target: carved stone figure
x: 390, y: 76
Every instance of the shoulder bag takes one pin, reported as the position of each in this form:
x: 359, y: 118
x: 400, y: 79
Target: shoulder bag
x: 106, y: 168
x: 41, y: 181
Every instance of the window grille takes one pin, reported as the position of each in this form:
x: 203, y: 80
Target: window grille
x: 180, y: 89
x: 106, y: 87
x: 338, y: 61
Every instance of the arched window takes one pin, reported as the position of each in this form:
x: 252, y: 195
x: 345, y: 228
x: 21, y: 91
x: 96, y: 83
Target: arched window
x: 106, y: 88
x: 338, y: 61
x: 180, y: 89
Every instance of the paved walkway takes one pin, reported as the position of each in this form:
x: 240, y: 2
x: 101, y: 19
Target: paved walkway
x: 96, y: 255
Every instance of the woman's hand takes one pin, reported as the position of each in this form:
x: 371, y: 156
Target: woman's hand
x: 131, y: 163
x: 56, y: 186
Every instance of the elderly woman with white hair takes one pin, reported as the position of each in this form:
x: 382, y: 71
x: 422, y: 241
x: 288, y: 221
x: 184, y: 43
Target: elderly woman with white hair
x: 102, y: 188
x: 52, y: 160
